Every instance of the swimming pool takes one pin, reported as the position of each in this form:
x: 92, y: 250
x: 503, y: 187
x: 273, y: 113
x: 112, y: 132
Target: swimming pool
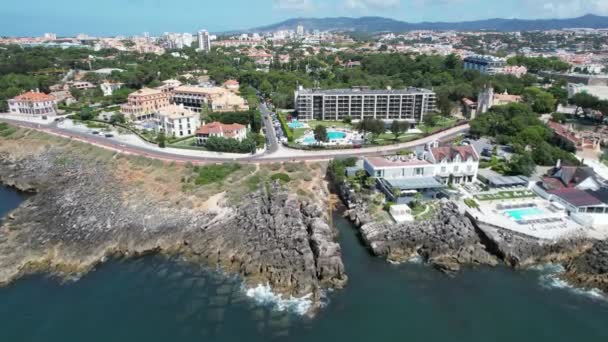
x: 524, y: 213
x: 295, y: 124
x: 331, y: 135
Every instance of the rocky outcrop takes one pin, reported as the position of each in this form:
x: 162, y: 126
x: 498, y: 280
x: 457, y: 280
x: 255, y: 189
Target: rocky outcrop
x: 520, y: 250
x: 590, y: 269
x: 83, y: 213
x: 446, y: 241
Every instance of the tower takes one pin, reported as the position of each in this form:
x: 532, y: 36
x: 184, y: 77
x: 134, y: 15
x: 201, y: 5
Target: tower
x: 204, y: 41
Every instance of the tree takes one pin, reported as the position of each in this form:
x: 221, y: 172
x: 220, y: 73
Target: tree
x: 86, y: 113
x: 320, y: 133
x: 398, y: 129
x: 540, y: 101
x: 347, y: 120
x: 558, y: 117
x: 430, y: 120
x: 117, y: 118
x: 522, y: 164
x: 161, y: 139
x: 584, y: 100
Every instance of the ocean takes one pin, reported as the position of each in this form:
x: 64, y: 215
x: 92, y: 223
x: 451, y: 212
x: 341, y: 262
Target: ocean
x: 154, y: 298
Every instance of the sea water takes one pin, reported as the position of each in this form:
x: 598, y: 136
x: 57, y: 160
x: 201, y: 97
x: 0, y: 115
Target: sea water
x: 159, y: 299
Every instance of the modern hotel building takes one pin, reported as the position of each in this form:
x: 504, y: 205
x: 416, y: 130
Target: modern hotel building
x: 409, y: 104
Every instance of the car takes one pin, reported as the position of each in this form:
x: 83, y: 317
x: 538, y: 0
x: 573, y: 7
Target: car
x: 109, y: 135
x: 95, y: 132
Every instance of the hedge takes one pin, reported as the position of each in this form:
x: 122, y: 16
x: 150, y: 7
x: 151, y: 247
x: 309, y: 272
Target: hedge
x: 288, y: 132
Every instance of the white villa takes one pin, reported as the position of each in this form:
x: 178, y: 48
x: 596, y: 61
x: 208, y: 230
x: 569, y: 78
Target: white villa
x: 33, y: 103
x: 220, y: 130
x: 177, y: 121
x: 455, y: 164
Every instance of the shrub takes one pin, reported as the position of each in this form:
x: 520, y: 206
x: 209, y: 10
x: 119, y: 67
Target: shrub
x: 288, y: 132
x: 283, y: 177
x: 215, y: 173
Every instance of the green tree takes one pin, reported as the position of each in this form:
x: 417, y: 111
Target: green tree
x: 320, y: 133
x: 584, y: 101
x: 86, y: 113
x: 430, y: 120
x: 117, y: 118
x: 558, y: 117
x: 540, y: 101
x: 161, y: 139
x: 398, y: 129
x: 522, y: 164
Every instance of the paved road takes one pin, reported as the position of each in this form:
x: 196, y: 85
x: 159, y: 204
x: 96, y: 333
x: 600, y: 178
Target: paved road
x: 273, y: 144
x: 282, y: 154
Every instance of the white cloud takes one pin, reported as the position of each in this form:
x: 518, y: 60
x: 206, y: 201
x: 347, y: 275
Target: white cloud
x: 294, y: 5
x: 566, y: 8
x: 364, y: 5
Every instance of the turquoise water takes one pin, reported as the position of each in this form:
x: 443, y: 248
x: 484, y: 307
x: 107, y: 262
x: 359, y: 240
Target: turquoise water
x: 158, y: 299
x: 521, y: 214
x: 295, y: 124
x: 331, y: 135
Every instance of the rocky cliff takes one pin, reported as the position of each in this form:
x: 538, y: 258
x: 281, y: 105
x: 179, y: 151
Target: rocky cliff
x: 86, y: 209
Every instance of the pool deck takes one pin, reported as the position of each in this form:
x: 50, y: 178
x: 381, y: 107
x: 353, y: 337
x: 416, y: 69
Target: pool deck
x: 564, y: 227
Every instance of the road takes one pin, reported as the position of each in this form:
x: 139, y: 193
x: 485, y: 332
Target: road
x: 276, y: 152
x: 273, y: 144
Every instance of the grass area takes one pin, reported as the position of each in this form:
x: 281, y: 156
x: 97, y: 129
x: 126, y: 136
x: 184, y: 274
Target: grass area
x: 96, y: 125
x: 471, y: 203
x: 210, y: 174
x: 6, y: 130
x: 442, y: 123
x: 299, y: 133
x: 505, y: 195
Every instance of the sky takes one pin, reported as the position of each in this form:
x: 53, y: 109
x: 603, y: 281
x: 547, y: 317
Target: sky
x: 128, y: 17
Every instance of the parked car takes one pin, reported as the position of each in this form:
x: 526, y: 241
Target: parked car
x: 109, y: 135
x: 95, y: 132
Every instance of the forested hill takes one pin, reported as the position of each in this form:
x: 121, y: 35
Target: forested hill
x: 379, y: 24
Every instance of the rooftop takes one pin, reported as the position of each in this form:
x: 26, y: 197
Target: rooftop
x: 416, y: 183
x: 364, y: 91
x: 227, y: 130
x: 450, y: 152
x: 34, y: 96
x: 396, y: 162
x: 576, y: 197
x: 176, y: 112
x: 145, y: 92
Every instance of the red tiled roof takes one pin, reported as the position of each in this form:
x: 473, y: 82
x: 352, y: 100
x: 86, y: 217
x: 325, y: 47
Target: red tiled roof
x: 450, y: 152
x: 34, y: 96
x: 231, y: 82
x: 228, y: 130
x: 564, y: 132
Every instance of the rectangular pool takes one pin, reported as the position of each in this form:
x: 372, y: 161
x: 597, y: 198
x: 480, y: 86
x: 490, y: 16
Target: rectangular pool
x: 524, y: 213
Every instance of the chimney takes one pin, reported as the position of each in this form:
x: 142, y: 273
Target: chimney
x: 558, y: 165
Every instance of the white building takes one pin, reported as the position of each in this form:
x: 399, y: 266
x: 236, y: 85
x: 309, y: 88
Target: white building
x: 485, y: 64
x: 109, y: 88
x: 33, y: 103
x: 177, y: 121
x: 455, y: 164
x: 204, y: 41
x: 598, y: 91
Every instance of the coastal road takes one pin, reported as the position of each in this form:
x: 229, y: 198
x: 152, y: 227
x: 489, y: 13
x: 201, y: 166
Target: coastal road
x: 280, y: 153
x: 272, y: 141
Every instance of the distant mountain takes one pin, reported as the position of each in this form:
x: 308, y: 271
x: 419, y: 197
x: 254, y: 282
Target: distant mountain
x: 379, y: 24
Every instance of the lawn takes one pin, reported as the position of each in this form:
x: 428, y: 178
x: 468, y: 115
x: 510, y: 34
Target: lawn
x: 299, y: 132
x: 337, y: 124
x: 505, y: 195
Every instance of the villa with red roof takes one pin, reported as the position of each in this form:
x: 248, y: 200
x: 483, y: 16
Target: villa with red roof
x: 456, y: 164
x: 33, y: 103
x: 220, y: 130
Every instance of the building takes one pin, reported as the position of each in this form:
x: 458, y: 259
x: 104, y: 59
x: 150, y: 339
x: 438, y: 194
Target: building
x: 177, y: 121
x: 82, y: 85
x: 144, y: 103
x: 409, y: 104
x: 599, y: 91
x: 300, y: 31
x: 489, y: 65
x: 515, y: 70
x: 215, y: 98
x: 220, y: 130
x: 204, y: 41
x: 232, y: 85
x: 427, y: 172
x: 109, y: 88
x: 488, y: 99
x: 33, y: 103
x: 455, y: 164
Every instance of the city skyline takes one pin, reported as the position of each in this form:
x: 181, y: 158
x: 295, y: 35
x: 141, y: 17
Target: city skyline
x: 121, y: 17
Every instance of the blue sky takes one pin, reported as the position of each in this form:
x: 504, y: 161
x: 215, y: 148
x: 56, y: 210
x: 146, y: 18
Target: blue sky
x: 66, y: 17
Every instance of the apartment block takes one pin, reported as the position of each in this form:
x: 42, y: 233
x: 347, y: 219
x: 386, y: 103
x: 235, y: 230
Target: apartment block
x: 410, y: 104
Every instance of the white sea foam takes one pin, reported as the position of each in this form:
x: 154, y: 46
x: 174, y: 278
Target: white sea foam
x: 550, y: 279
x: 417, y: 259
x: 263, y: 295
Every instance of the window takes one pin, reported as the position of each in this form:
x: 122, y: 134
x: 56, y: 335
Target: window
x: 469, y: 168
x: 444, y: 169
x: 456, y: 169
x: 419, y: 171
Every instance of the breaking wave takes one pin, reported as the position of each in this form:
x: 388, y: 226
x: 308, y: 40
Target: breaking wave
x: 550, y: 279
x: 263, y: 295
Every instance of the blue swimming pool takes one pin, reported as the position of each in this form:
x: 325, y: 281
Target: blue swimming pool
x: 295, y: 124
x: 524, y: 213
x: 331, y: 135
